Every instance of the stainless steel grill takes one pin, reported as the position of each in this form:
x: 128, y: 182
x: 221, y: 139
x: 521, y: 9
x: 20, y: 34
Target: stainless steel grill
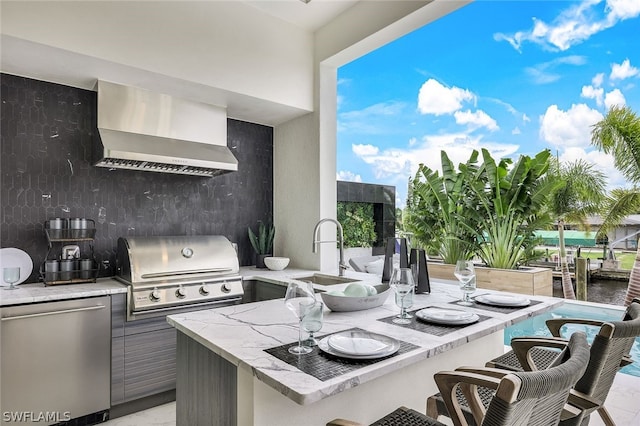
x: 167, y: 274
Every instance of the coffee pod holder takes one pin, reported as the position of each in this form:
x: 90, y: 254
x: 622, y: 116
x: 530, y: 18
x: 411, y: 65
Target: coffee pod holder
x: 63, y: 265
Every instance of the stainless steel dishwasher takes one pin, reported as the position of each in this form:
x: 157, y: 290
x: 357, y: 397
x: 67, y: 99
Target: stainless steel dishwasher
x: 55, y: 360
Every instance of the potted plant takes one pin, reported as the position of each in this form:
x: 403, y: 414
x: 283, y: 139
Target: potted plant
x: 262, y: 243
x: 488, y: 210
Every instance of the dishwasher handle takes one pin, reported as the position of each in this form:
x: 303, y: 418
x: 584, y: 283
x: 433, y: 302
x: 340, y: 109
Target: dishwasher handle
x: 44, y: 314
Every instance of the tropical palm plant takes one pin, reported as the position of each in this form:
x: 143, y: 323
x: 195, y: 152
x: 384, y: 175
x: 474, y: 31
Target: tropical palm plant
x: 580, y: 194
x: 618, y: 134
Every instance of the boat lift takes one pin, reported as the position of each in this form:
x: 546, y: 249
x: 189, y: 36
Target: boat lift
x: 611, y: 255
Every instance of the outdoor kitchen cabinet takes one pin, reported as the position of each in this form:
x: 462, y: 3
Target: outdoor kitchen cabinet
x: 143, y: 355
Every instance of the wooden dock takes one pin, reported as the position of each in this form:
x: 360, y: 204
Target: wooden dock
x: 593, y: 273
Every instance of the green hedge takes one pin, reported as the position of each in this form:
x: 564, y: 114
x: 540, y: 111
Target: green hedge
x: 357, y: 223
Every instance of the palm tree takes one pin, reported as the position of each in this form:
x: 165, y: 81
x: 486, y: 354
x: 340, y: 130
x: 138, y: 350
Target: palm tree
x: 618, y: 134
x: 580, y: 194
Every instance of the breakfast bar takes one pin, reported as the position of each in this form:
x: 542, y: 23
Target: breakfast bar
x: 233, y: 367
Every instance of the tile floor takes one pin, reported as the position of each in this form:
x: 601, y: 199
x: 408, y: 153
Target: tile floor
x: 621, y: 403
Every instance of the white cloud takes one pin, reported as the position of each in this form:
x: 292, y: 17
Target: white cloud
x: 591, y: 92
x: 597, y: 79
x: 525, y: 118
x: 614, y: 97
x: 382, y: 108
x: 476, y: 120
x: 623, y: 70
x: 507, y: 105
x: 516, y: 131
x: 603, y: 162
x: 369, y: 120
x: 574, y: 24
x: 542, y: 73
x: 434, y: 98
x: 540, y: 76
x: 398, y: 164
x: 348, y: 176
x: 364, y: 150
x: 568, y: 128
x: 623, y: 9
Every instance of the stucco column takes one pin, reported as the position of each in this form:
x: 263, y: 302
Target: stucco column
x: 304, y: 187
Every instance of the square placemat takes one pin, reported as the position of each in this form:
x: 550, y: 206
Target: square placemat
x: 426, y: 327
x: 324, y: 366
x: 500, y: 309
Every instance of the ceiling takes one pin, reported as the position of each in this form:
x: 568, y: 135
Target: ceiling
x: 310, y: 16
x: 48, y: 63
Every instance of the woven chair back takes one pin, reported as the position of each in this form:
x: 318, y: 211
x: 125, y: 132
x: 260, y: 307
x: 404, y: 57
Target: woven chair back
x: 542, y: 394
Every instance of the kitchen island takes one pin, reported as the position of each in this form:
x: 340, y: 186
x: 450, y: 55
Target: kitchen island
x: 227, y: 377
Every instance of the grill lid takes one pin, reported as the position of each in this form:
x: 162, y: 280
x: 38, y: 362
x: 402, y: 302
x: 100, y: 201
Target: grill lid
x: 143, y: 260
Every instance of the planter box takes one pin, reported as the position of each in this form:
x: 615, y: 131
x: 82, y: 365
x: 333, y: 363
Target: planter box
x: 527, y: 280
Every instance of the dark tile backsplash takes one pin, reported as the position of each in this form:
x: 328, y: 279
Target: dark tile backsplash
x: 46, y: 133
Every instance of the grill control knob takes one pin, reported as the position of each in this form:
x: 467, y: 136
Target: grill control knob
x: 181, y: 293
x: 226, y: 287
x: 204, y: 290
x: 154, y: 296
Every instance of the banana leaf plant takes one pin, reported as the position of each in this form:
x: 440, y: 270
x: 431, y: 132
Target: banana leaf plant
x: 490, y: 210
x: 436, y: 207
x: 511, y: 200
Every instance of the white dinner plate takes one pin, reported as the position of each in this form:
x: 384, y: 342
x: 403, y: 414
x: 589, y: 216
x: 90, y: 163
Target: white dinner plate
x: 447, y: 316
x: 358, y: 343
x: 11, y: 257
x: 392, y: 346
x: 503, y: 300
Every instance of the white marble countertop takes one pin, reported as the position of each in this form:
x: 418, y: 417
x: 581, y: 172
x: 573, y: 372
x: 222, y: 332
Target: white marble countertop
x: 38, y: 292
x: 282, y: 277
x: 241, y: 333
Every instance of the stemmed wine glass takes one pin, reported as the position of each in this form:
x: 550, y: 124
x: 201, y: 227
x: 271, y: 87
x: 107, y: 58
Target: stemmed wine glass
x: 298, y: 295
x: 402, y: 283
x: 312, y: 321
x: 466, y: 274
x: 11, y: 276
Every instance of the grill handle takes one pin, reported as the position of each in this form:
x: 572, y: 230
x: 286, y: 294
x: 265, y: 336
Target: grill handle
x: 142, y: 314
x: 191, y: 272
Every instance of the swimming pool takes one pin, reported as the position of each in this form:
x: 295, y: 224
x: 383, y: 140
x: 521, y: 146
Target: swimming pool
x: 536, y: 327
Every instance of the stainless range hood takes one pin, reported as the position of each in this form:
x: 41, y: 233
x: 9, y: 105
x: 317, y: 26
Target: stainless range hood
x: 143, y: 130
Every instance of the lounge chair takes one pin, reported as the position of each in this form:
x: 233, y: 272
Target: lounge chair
x: 370, y: 264
x: 519, y: 398
x: 609, y: 352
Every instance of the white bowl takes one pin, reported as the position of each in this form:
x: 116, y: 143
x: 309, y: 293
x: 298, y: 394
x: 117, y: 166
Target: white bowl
x: 276, y: 263
x: 348, y: 304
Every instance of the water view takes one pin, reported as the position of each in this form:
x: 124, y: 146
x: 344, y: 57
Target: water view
x: 610, y: 292
x: 536, y: 326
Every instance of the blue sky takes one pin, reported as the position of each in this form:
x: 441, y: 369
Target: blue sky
x: 514, y: 77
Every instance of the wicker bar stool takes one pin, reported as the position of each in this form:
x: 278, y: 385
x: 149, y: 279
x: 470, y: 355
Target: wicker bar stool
x: 609, y: 352
x: 520, y: 398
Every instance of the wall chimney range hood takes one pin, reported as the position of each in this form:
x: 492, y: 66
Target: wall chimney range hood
x: 142, y: 130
